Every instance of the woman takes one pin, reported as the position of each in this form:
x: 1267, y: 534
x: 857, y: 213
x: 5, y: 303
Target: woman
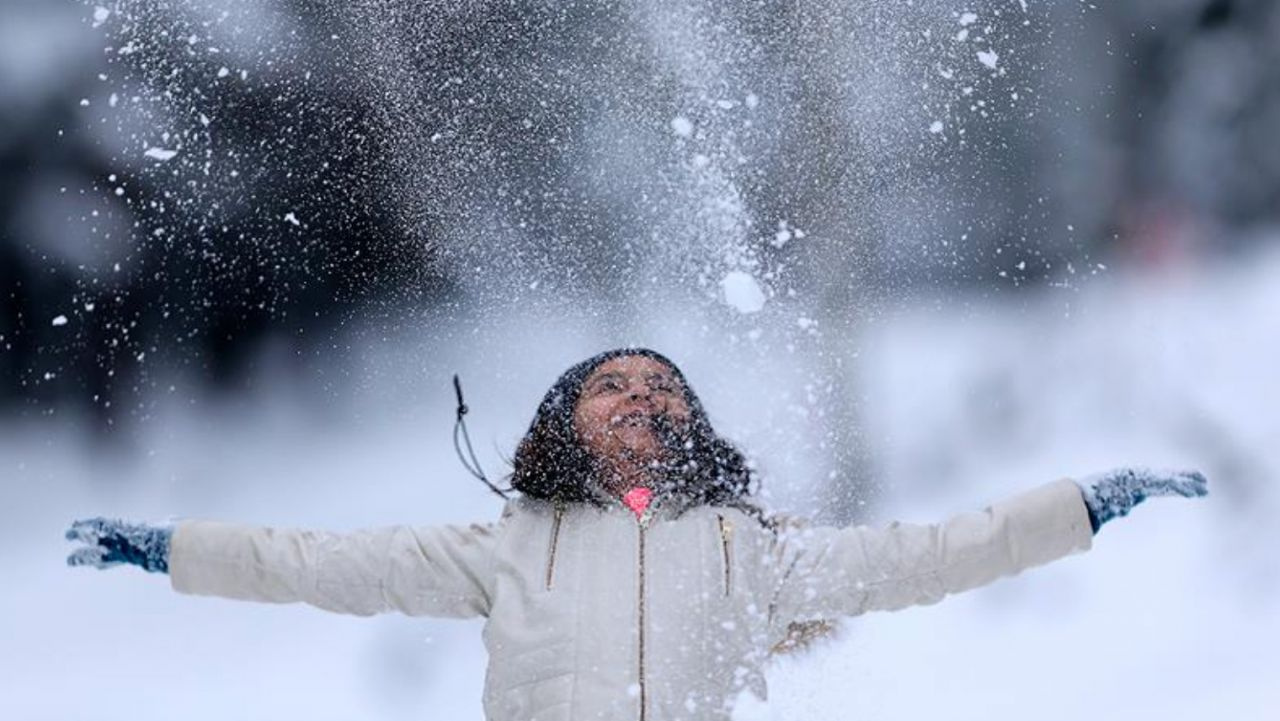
x: 632, y: 576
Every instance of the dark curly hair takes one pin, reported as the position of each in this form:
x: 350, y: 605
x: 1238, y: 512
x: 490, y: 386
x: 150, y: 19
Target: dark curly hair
x: 552, y: 464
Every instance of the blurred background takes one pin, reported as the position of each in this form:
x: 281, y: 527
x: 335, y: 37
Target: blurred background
x: 914, y: 257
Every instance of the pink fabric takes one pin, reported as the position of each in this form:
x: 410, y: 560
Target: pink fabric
x: 637, y: 499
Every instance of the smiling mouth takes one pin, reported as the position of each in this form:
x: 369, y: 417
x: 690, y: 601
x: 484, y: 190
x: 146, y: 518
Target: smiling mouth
x: 633, y: 419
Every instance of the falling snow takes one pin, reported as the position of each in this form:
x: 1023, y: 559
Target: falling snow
x: 160, y: 154
x: 742, y: 292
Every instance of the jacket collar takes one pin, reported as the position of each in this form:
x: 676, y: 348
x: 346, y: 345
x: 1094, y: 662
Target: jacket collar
x: 665, y: 505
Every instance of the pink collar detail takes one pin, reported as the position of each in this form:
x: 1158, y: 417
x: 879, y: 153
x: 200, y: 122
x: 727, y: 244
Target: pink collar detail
x: 637, y: 499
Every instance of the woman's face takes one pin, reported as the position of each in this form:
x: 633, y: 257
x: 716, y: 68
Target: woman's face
x: 619, y: 400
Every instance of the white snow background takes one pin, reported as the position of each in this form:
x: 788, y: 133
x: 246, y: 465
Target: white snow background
x: 1175, y: 613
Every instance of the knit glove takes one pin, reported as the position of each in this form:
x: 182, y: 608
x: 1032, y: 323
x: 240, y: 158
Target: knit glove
x: 113, y: 542
x: 1114, y: 493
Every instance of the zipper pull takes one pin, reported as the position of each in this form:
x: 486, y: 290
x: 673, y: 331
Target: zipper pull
x: 555, y: 540
x: 726, y: 529
x: 726, y: 544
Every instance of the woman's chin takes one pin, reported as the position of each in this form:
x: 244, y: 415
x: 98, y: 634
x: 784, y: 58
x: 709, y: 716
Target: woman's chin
x: 642, y: 453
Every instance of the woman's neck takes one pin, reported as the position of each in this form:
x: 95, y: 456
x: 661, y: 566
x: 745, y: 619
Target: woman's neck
x: 626, y: 474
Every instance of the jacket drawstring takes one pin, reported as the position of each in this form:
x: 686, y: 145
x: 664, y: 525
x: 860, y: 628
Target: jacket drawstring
x: 460, y: 426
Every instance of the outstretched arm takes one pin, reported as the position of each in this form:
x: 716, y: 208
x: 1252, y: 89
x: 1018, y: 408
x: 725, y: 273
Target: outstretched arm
x: 435, y: 571
x: 828, y: 572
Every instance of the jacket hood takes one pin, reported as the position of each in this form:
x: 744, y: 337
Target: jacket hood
x: 564, y: 393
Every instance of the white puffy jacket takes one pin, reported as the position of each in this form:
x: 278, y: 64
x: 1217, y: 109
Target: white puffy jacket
x: 592, y: 614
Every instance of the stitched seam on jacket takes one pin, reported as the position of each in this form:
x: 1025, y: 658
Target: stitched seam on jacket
x: 385, y: 573
x: 540, y: 679
x: 252, y: 564
x: 704, y: 601
x: 933, y: 572
x: 577, y: 643
x: 778, y: 592
x: 489, y: 582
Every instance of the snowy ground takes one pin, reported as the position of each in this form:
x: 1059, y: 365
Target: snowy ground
x: 1174, y: 614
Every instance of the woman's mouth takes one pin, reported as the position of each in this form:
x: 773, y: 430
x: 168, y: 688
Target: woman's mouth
x: 633, y: 418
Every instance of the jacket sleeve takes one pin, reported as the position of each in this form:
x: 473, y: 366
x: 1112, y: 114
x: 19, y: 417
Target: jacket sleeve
x: 826, y: 572
x: 418, y: 571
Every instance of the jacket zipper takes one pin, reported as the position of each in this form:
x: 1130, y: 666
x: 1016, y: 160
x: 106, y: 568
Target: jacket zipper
x: 555, y: 538
x: 726, y: 543
x: 643, y: 522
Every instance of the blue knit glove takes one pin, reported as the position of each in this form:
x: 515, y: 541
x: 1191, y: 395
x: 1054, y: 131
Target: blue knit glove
x: 113, y: 542
x: 1114, y: 493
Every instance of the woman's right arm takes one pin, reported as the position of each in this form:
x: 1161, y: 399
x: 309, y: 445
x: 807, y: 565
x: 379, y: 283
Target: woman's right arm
x: 418, y: 571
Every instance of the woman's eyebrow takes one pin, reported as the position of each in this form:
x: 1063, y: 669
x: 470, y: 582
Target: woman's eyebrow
x: 606, y: 375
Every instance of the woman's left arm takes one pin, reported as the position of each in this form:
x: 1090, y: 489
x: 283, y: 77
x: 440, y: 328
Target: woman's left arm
x: 829, y: 572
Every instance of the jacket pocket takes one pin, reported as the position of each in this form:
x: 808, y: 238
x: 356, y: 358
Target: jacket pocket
x: 726, y: 550
x: 553, y: 543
